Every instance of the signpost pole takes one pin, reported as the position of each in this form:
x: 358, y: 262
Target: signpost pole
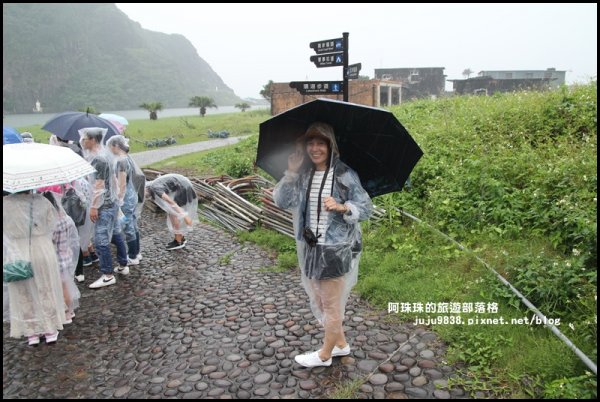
x: 346, y: 89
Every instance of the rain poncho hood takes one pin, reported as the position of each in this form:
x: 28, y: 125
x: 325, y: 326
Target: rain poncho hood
x: 342, y: 235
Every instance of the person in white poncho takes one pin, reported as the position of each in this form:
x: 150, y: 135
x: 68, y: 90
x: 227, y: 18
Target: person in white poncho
x: 175, y: 195
x: 327, y: 202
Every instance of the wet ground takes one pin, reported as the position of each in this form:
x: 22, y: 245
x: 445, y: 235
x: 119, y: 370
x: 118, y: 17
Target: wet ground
x: 212, y: 321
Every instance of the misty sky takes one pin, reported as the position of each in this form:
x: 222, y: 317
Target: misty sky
x: 249, y: 44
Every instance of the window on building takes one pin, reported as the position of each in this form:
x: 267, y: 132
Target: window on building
x: 383, y: 96
x: 395, y: 96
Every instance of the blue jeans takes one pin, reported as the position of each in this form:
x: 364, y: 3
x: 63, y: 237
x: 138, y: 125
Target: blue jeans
x: 133, y: 246
x: 106, y: 229
x: 129, y: 223
x: 117, y: 240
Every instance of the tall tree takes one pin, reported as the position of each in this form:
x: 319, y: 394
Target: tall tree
x: 266, y: 91
x: 243, y: 106
x: 202, y: 102
x: 152, y: 107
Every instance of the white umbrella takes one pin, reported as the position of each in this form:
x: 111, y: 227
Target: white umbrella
x: 114, y: 117
x: 29, y: 166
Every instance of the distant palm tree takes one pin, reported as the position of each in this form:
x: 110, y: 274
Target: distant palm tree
x: 467, y: 72
x: 202, y: 102
x: 152, y: 107
x: 267, y: 90
x: 242, y: 106
x: 89, y: 110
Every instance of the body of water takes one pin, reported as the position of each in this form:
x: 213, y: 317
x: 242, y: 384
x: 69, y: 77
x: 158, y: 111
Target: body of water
x: 30, y: 119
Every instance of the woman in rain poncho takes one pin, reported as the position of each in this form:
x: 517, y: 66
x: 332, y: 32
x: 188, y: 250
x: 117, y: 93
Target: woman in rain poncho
x: 328, y: 202
x: 175, y: 195
x: 66, y: 243
x: 35, y: 306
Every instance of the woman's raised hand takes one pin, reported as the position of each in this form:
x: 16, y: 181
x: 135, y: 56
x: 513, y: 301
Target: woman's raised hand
x: 295, y: 161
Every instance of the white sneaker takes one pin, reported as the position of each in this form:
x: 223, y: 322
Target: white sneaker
x: 80, y: 278
x: 68, y: 317
x: 139, y: 257
x: 312, y: 359
x: 51, y: 338
x: 104, y: 280
x: 133, y: 261
x: 33, y: 340
x: 345, y: 351
x: 122, y: 270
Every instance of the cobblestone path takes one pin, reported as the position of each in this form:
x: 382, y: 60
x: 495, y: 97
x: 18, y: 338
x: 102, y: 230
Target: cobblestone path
x: 209, y: 321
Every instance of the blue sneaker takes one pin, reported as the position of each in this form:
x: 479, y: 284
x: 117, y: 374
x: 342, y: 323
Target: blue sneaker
x: 87, y: 261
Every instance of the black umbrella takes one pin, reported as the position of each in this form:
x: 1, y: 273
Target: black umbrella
x: 66, y: 125
x: 370, y: 140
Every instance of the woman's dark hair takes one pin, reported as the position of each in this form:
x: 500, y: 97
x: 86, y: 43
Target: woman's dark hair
x: 50, y: 197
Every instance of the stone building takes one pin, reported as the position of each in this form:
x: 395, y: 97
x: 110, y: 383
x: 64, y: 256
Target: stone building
x: 417, y: 82
x: 489, y: 82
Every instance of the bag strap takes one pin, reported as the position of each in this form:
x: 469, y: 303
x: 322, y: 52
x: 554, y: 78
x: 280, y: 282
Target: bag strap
x: 30, y: 223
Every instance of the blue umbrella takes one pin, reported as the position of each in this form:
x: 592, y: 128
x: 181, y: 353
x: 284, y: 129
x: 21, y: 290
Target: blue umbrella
x: 10, y: 135
x: 66, y: 125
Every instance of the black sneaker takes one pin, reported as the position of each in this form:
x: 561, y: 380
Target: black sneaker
x: 175, y: 245
x: 94, y: 257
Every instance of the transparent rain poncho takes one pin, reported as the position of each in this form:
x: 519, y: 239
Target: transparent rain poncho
x: 340, y: 243
x: 66, y: 242
x: 127, y: 194
x: 183, y: 209
x: 84, y: 190
x: 36, y: 305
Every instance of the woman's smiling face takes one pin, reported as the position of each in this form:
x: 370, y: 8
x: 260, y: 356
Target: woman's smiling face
x: 318, y: 151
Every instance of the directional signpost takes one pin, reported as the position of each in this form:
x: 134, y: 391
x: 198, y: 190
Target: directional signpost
x: 318, y: 87
x: 328, y: 46
x: 330, y: 53
x: 352, y: 71
x: 328, y: 60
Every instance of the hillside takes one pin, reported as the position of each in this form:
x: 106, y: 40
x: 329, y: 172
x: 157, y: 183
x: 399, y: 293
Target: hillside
x: 70, y: 56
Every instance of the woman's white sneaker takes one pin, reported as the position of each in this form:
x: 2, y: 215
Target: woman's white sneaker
x: 312, y: 359
x: 345, y: 351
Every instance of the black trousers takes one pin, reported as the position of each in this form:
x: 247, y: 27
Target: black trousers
x: 79, y: 269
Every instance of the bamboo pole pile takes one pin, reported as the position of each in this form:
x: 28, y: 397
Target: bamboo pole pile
x: 274, y: 217
x: 222, y: 203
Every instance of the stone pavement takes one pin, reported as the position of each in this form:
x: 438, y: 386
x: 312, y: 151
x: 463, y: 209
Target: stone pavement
x: 208, y: 321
